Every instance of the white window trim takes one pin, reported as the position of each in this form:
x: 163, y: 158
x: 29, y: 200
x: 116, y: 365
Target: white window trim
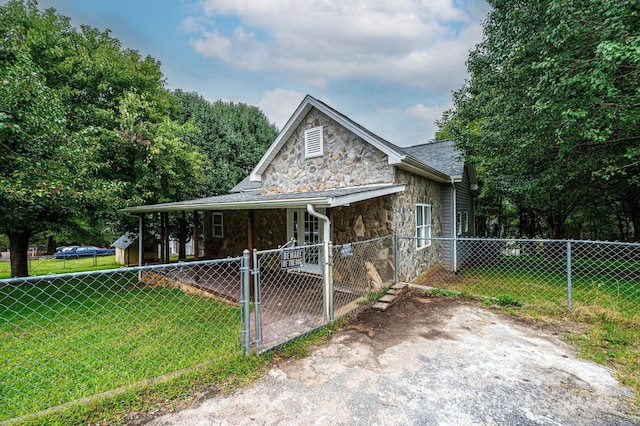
x: 313, y: 138
x: 466, y: 221
x: 214, y: 225
x: 459, y: 223
x: 423, y: 231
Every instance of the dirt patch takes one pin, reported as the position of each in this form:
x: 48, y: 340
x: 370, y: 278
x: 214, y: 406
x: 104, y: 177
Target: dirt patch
x: 427, y: 361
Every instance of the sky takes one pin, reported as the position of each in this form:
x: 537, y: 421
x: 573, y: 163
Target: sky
x: 389, y: 65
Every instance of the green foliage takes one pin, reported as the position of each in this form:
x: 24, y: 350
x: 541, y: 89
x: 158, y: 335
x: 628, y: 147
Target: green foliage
x: 440, y: 292
x: 508, y: 300
x: 232, y: 136
x: 550, y: 110
x: 84, y: 129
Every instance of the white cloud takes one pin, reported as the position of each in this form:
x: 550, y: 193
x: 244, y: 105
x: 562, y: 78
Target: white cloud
x: 422, y: 43
x: 429, y: 114
x: 279, y: 104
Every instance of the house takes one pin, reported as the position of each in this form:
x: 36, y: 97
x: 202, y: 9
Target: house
x: 326, y: 174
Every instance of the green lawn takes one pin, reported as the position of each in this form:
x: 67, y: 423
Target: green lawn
x: 61, y: 266
x: 62, y: 341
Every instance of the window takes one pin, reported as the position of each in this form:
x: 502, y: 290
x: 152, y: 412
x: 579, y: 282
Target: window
x: 462, y: 223
x: 217, y: 225
x: 423, y: 225
x: 313, y: 142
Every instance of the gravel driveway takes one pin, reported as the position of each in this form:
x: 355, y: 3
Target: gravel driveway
x: 426, y: 361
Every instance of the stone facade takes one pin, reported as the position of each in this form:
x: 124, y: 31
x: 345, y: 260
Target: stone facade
x: 363, y: 221
x: 419, y: 190
x: 347, y: 161
x: 270, y: 228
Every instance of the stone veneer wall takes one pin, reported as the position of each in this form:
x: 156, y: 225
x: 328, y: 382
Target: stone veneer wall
x: 270, y: 228
x: 423, y: 191
x: 347, y: 161
x: 366, y: 220
x: 362, y: 221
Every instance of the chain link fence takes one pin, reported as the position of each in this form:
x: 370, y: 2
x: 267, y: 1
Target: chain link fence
x: 67, y: 337
x: 71, y: 336
x: 288, y: 294
x: 555, y: 274
x: 361, y: 269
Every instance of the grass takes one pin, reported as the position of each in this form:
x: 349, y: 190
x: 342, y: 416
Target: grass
x: 63, y: 341
x: 62, y: 266
x: 177, y: 392
x: 45, y: 266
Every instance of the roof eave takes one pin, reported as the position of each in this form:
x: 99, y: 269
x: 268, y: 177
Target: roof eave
x: 266, y: 203
x: 414, y: 166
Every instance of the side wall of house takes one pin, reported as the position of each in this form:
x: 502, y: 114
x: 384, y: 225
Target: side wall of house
x: 419, y: 190
x: 464, y: 203
x: 448, y: 225
x: 347, y: 161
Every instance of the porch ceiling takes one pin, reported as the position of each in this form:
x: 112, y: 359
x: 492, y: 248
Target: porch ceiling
x: 254, y: 200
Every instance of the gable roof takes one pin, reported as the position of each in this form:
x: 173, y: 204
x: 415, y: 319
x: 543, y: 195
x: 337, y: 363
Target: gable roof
x: 396, y: 155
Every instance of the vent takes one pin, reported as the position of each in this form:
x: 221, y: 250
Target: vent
x: 313, y: 142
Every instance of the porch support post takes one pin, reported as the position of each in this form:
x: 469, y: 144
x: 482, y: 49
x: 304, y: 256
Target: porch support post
x: 166, y: 255
x: 196, y: 236
x: 140, y: 237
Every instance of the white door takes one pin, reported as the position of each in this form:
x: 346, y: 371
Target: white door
x: 306, y: 230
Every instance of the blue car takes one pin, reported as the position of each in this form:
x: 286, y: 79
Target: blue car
x: 76, y: 252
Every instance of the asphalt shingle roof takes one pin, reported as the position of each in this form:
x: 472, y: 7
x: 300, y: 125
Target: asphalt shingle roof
x: 441, y: 155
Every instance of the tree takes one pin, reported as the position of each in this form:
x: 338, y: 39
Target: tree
x: 36, y: 160
x: 84, y: 128
x: 550, y: 108
x: 232, y: 136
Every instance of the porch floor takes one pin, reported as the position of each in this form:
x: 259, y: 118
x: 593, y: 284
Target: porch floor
x: 291, y: 302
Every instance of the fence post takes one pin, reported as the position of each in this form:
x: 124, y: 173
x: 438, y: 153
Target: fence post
x: 569, y: 276
x: 327, y: 283
x: 329, y: 269
x: 245, y: 302
x: 257, y: 305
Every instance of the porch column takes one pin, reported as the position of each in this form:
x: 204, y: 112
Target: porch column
x: 196, y: 236
x: 140, y: 238
x: 167, y: 252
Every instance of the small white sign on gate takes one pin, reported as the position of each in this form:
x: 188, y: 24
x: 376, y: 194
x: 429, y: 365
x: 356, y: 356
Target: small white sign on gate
x: 292, y: 258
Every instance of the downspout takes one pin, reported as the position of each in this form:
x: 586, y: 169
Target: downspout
x: 454, y: 227
x: 328, y: 270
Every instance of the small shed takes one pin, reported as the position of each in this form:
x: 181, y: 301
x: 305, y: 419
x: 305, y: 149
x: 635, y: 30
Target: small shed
x: 127, y: 249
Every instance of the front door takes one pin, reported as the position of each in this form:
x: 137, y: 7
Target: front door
x: 306, y: 230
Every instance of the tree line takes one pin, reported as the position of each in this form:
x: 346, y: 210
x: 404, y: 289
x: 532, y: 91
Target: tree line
x: 88, y: 127
x: 550, y: 114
